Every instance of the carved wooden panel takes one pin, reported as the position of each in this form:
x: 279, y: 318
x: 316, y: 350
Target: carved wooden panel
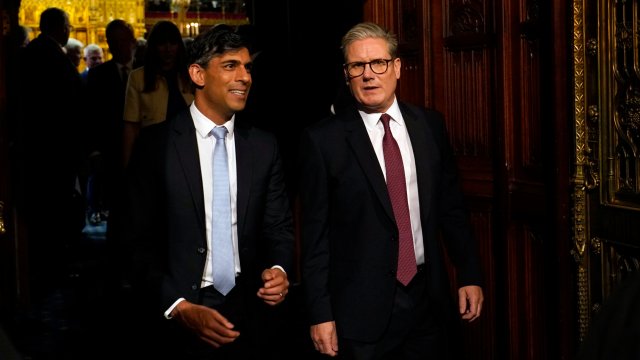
x: 467, y: 68
x: 606, y: 177
x: 490, y: 66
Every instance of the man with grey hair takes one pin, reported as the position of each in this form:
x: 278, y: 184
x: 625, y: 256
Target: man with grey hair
x: 378, y: 186
x: 73, y: 49
x: 93, y: 56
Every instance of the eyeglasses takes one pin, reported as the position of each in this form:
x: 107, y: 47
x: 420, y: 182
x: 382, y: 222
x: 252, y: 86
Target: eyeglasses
x: 378, y: 66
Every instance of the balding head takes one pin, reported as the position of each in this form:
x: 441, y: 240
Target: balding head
x: 54, y: 22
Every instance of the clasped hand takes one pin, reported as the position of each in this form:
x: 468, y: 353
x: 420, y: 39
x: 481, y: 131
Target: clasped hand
x: 212, y: 327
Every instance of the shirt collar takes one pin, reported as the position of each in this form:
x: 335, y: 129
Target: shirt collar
x: 371, y: 119
x: 204, y: 125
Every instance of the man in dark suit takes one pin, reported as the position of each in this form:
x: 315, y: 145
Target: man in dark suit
x: 103, y: 182
x: 106, y: 84
x: 361, y: 302
x: 171, y: 216
x: 50, y: 148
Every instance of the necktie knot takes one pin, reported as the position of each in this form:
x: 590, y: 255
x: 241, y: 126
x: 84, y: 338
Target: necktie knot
x: 385, y: 118
x: 219, y: 132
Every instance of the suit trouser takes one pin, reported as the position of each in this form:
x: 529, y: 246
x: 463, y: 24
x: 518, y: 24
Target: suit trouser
x: 412, y: 332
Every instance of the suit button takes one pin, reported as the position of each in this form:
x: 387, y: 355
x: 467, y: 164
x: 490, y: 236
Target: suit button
x: 194, y: 287
x: 201, y: 250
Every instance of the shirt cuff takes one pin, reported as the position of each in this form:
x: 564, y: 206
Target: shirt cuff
x: 167, y: 314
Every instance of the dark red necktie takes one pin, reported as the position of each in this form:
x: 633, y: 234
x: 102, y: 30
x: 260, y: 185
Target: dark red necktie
x: 396, y: 185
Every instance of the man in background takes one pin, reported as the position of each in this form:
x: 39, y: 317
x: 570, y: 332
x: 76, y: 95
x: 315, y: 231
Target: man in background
x: 106, y: 84
x: 50, y: 148
x: 93, y: 56
x: 105, y: 87
x: 73, y: 48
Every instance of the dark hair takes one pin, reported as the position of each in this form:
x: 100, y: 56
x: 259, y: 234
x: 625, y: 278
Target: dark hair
x: 115, y: 25
x: 215, y: 41
x: 162, y: 32
x: 52, y: 19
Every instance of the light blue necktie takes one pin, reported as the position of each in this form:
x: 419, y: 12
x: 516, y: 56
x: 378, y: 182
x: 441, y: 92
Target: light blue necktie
x: 224, y: 277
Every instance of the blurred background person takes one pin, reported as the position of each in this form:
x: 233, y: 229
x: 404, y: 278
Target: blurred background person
x: 141, y: 49
x: 19, y: 36
x: 93, y: 56
x: 159, y: 89
x: 17, y: 40
x: 50, y: 149
x: 73, y: 49
x: 106, y: 84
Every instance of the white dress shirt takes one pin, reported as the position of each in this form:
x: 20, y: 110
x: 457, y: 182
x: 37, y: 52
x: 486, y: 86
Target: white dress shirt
x: 375, y: 130
x: 206, y: 144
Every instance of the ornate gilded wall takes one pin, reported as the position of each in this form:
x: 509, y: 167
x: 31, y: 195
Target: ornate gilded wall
x: 88, y: 17
x: 606, y: 174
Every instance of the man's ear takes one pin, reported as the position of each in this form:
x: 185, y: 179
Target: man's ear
x: 196, y: 72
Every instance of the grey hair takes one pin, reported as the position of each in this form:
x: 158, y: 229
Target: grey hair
x: 369, y: 30
x: 74, y: 44
x: 92, y: 47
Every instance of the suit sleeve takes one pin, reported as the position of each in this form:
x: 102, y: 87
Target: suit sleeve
x: 315, y: 241
x: 278, y: 221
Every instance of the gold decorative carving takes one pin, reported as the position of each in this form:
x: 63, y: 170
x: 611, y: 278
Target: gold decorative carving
x: 596, y: 246
x: 583, y: 303
x: 592, y: 47
x: 580, y: 207
x: 88, y: 17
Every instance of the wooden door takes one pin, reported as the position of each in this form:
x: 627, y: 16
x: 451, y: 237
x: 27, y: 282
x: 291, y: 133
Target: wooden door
x: 606, y: 186
x: 497, y: 70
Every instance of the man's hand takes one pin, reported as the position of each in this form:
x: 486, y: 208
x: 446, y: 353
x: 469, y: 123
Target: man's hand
x: 470, y: 300
x: 276, y: 286
x: 325, y: 338
x: 207, y: 323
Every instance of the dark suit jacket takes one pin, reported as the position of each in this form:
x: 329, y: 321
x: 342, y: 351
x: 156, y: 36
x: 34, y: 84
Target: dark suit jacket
x: 51, y: 137
x: 349, y: 236
x: 165, y: 217
x: 106, y: 91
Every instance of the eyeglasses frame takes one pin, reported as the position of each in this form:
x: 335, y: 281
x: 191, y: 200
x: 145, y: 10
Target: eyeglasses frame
x: 346, y: 67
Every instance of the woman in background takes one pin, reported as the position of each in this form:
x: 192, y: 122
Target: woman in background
x: 160, y: 88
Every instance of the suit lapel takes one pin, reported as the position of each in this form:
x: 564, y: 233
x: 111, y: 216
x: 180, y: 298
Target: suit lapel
x: 186, y: 145
x: 361, y: 145
x: 421, y: 137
